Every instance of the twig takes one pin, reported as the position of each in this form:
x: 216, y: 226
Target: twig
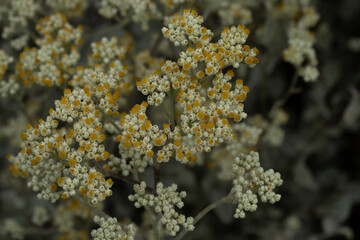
x: 94, y: 210
x: 205, y: 211
x: 165, y: 111
x: 149, y: 211
x: 106, y: 30
x: 172, y: 108
x: 155, y: 48
x: 157, y: 170
x: 40, y: 231
x: 123, y: 178
x: 292, y: 90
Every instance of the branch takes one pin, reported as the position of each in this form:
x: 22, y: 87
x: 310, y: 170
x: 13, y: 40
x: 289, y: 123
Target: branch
x: 157, y: 170
x: 281, y: 102
x: 122, y: 177
x: 94, y: 210
x: 154, y: 49
x: 205, y: 211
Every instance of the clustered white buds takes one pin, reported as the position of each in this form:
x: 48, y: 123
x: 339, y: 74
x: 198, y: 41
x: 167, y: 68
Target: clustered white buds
x: 8, y: 86
x: 106, y: 77
x: 145, y: 64
x: 301, y: 52
x: 272, y: 133
x: 40, y: 215
x: 67, y: 214
x: 17, y: 16
x: 172, y: 4
x: 5, y: 60
x: 203, y: 120
x: 138, y: 11
x: 64, y: 155
x: 163, y: 203
x: 11, y: 227
x: 110, y: 229
x: 13, y: 129
x: 235, y: 12
x: 137, y: 139
x: 51, y: 158
x: 247, y: 137
x: 110, y: 88
x: 185, y: 28
x: 155, y: 87
x: 57, y: 55
x: 251, y: 180
x: 68, y: 7
x: 106, y: 51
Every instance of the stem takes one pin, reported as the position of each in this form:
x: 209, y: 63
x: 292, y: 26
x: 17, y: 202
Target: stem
x: 109, y: 120
x: 135, y: 173
x: 154, y: 49
x: 94, y: 210
x: 115, y: 126
x: 154, y: 219
x: 281, y: 102
x: 122, y: 177
x: 107, y: 30
x: 205, y: 211
x: 40, y: 231
x: 172, y: 108
x: 212, y: 206
x: 165, y: 111
x: 156, y: 175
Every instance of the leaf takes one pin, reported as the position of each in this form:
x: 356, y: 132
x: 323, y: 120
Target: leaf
x: 303, y: 176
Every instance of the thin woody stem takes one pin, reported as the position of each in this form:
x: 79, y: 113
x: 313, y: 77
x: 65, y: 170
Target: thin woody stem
x: 205, y: 211
x: 281, y: 102
x: 172, y: 108
x: 122, y: 177
x: 149, y: 211
x: 94, y: 210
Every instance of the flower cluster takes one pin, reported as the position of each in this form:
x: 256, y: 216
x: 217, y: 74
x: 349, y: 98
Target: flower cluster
x: 106, y: 51
x: 109, y: 88
x: 173, y: 4
x: 7, y: 86
x: 53, y: 62
x: 145, y: 64
x: 246, y: 138
x: 106, y: 77
x: 67, y: 212
x: 137, y: 139
x: 40, y: 215
x: 138, y: 11
x: 99, y: 91
x: 251, y: 180
x: 203, y: 114
x: 51, y: 158
x: 110, y: 229
x: 12, y: 228
x: 235, y: 12
x: 68, y: 7
x: 14, y: 127
x: 163, y: 203
x: 16, y: 15
x: 90, y: 134
x: 272, y: 133
x: 301, y: 52
x: 186, y: 27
